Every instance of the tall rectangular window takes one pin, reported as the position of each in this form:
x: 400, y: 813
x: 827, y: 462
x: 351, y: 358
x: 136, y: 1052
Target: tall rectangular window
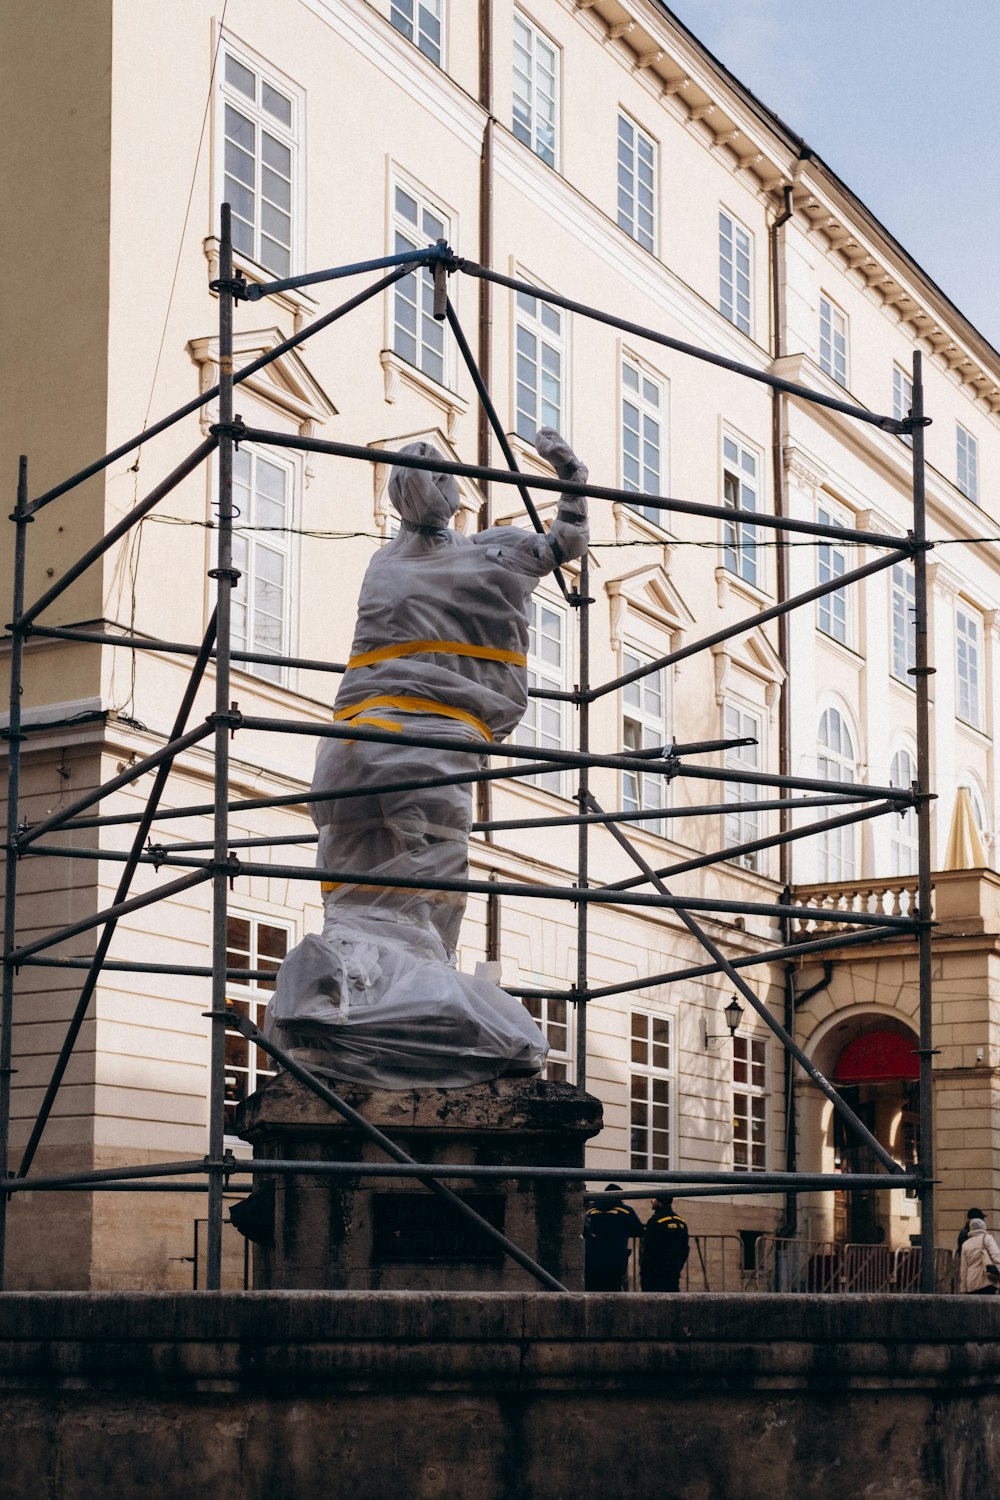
x: 833, y: 340
x: 968, y: 667
x: 262, y: 551
x: 636, y: 183
x: 735, y: 271
x: 740, y: 490
x: 902, y: 399
x: 540, y: 357
x: 644, y: 727
x: 743, y: 825
x: 420, y: 21
x: 536, y: 89
x: 545, y: 721
x: 259, y: 149
x: 650, y: 1082
x: 831, y: 556
x: 552, y: 1015
x: 749, y: 1105
x: 967, y: 463
x: 643, y: 455
x: 904, y: 623
x: 416, y: 335
x: 251, y: 944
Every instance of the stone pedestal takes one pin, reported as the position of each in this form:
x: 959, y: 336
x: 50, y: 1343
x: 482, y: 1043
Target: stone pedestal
x: 391, y: 1233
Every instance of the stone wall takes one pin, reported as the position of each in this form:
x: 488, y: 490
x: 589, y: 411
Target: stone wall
x: 497, y: 1397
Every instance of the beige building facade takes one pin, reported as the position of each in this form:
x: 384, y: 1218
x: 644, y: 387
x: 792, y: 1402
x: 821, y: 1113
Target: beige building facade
x: 595, y: 150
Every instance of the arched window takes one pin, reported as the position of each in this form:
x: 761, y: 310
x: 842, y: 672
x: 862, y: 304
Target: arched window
x: 836, y: 762
x: 903, y: 841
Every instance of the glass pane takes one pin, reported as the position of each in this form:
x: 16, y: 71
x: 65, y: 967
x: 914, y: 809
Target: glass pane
x: 276, y: 104
x: 276, y: 155
x: 240, y: 77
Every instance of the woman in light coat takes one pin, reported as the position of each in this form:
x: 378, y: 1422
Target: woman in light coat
x: 979, y: 1252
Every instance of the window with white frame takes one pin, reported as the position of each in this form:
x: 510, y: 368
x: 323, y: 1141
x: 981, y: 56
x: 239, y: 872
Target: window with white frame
x: 836, y: 761
x: 902, y: 399
x: 749, y: 1104
x: 540, y: 354
x: 650, y: 1086
x: 644, y: 727
x: 831, y: 561
x: 743, y: 825
x: 552, y: 1015
x: 903, y: 835
x: 636, y: 182
x: 417, y: 336
x: 643, y: 437
x: 545, y: 721
x: 967, y: 463
x: 740, y: 491
x: 252, y: 944
x: 260, y: 143
x: 904, y: 625
x: 420, y: 21
x: 263, y: 490
x: 536, y: 89
x: 833, y: 340
x: 968, y: 666
x: 735, y: 272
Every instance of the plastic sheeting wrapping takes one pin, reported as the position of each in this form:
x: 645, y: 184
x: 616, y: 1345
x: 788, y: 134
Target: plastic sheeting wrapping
x: 439, y: 649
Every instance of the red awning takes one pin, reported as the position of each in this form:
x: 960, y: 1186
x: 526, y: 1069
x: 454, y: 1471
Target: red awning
x: 876, y: 1057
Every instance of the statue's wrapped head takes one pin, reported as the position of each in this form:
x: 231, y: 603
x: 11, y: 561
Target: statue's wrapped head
x: 422, y: 497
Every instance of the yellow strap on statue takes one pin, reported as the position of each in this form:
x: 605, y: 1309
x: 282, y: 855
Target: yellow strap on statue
x: 413, y: 706
x: 437, y: 648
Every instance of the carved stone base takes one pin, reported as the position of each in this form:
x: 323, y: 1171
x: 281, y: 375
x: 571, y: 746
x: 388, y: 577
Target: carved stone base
x: 391, y: 1233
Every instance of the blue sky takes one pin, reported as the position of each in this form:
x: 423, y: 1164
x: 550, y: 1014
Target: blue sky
x: 899, y: 98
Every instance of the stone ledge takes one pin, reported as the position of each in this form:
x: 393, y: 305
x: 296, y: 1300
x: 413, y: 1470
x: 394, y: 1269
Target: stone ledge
x: 250, y: 1342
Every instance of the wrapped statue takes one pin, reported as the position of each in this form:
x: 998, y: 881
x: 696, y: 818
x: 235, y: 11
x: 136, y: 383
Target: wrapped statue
x: 439, y: 650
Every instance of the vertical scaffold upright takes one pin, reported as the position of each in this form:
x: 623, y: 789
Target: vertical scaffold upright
x: 838, y: 798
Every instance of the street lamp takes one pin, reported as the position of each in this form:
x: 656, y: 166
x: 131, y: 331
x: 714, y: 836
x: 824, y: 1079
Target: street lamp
x: 733, y: 1013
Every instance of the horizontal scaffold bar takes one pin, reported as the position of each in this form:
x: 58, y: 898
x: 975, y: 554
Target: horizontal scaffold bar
x: 236, y: 1167
x: 237, y: 869
x: 667, y: 765
x: 386, y: 456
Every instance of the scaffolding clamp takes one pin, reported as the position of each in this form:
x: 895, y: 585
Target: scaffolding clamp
x: 904, y: 426
x: 236, y: 286
x: 236, y: 429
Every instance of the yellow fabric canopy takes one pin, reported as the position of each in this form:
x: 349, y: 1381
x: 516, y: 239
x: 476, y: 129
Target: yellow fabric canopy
x: 965, y: 846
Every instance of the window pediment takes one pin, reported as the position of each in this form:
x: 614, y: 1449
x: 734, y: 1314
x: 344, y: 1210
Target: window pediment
x: 286, y: 385
x: 471, y: 497
x: 752, y: 655
x: 651, y: 595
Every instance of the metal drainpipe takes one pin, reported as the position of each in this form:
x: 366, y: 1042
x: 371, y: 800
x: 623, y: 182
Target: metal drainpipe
x: 484, y: 792
x: 784, y: 709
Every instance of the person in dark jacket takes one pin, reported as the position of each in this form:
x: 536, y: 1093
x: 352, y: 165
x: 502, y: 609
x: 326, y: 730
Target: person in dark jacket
x: 663, y: 1251
x: 608, y: 1226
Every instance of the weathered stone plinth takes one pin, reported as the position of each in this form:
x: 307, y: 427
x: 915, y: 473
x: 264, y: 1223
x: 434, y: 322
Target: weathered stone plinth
x: 390, y: 1233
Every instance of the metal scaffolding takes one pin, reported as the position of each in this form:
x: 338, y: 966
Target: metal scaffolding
x: 218, y: 862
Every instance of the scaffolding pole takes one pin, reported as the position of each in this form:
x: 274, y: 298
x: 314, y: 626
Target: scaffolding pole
x: 13, y: 737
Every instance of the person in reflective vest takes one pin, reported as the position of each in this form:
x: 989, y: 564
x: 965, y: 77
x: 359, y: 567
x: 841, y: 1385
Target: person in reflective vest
x: 608, y: 1226
x: 663, y: 1251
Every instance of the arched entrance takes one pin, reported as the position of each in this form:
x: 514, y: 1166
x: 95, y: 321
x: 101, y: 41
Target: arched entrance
x: 876, y: 1071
